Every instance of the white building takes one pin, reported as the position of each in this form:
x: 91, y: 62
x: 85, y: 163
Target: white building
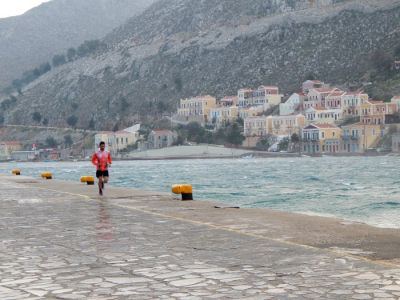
x: 292, y: 104
x: 329, y: 116
x: 117, y: 141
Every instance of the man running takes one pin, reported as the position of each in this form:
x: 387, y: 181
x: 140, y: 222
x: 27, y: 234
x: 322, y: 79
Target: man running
x: 101, y: 159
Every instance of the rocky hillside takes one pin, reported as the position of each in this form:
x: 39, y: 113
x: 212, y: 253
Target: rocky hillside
x: 28, y: 40
x: 182, y: 48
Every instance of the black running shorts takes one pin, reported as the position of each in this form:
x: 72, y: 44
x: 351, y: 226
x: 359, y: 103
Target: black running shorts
x: 100, y: 173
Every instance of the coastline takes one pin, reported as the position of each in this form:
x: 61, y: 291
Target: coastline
x: 204, y: 151
x: 332, y: 234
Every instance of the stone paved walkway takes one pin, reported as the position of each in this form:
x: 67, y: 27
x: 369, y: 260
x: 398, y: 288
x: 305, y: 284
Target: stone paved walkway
x: 58, y: 245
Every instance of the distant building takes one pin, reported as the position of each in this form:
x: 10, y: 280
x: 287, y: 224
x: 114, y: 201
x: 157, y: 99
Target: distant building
x: 321, y: 138
x: 24, y: 155
x: 117, y: 141
x: 396, y: 143
x: 334, y: 99
x: 196, y: 108
x: 292, y: 104
x: 161, y: 138
x: 229, y: 101
x: 316, y: 98
x: 396, y: 100
x: 351, y: 103
x: 222, y: 115
x: 357, y: 138
x: 108, y: 137
x: 252, y: 111
x: 274, y: 125
x: 374, y: 112
x: 265, y: 96
x: 285, y: 125
x: 7, y: 147
x: 330, y: 116
x: 255, y: 126
x: 311, y: 84
x: 49, y: 154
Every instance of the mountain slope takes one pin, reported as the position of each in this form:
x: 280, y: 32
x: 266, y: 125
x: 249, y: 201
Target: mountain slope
x: 147, y: 68
x: 34, y: 37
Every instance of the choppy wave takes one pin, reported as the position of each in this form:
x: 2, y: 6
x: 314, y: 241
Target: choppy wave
x: 359, y: 189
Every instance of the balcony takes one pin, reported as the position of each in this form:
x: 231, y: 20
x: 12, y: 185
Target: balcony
x: 350, y: 138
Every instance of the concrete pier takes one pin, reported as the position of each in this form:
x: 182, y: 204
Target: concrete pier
x: 60, y: 240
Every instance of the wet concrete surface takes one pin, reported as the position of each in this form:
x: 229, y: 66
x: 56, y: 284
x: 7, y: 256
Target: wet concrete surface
x: 60, y: 240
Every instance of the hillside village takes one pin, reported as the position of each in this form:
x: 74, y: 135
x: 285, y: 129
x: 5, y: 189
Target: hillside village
x: 323, y: 119
x: 319, y: 119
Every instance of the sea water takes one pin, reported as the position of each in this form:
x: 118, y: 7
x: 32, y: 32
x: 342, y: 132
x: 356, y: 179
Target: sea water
x: 358, y: 189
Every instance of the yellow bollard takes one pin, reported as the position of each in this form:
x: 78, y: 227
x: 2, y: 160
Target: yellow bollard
x: 46, y: 175
x: 88, y: 179
x: 184, y: 189
x: 16, y: 171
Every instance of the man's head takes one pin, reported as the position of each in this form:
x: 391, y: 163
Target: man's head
x: 102, y: 145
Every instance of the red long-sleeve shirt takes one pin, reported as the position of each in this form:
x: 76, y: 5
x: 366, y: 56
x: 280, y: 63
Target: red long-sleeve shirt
x: 101, y: 159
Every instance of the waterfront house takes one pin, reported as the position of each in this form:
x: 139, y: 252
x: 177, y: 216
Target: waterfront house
x: 255, y: 126
x: 161, y: 138
x: 24, y: 155
x: 321, y: 138
x: 359, y: 137
x: 285, y: 125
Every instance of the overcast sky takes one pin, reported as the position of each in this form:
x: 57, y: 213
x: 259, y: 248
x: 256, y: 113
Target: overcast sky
x: 10, y: 8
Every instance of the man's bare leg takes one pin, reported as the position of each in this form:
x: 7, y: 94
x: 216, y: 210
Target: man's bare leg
x: 105, y: 180
x: 100, y: 183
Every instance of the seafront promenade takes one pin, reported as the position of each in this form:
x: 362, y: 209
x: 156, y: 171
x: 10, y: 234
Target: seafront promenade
x: 60, y: 240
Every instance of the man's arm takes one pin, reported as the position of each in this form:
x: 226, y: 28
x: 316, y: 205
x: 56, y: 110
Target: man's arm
x: 109, y: 159
x: 94, y: 159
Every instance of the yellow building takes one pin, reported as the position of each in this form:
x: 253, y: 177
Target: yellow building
x: 321, y: 138
x: 330, y: 116
x: 351, y: 103
x: 357, y: 138
x: 285, y: 125
x: 374, y: 112
x: 255, y: 126
x: 196, y: 107
x: 253, y: 111
x: 265, y: 96
x: 222, y: 115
